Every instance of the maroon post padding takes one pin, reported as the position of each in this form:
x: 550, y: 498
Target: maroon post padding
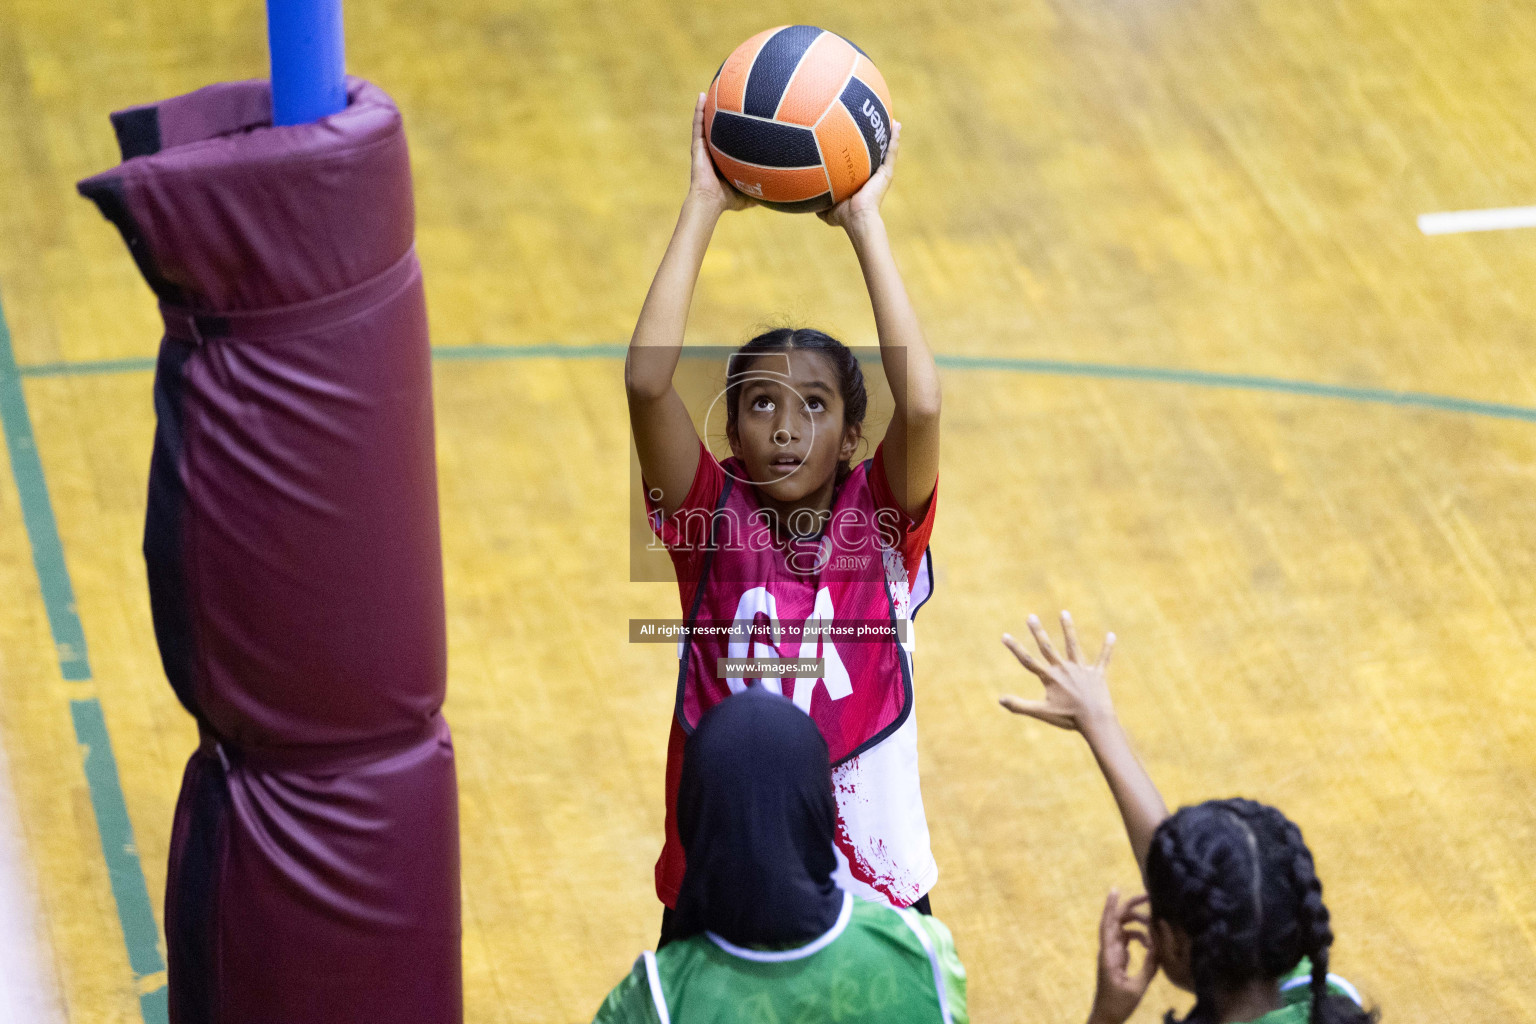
x: 294, y: 560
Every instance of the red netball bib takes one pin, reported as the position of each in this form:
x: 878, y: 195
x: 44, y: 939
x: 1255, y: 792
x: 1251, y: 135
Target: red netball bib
x: 841, y: 597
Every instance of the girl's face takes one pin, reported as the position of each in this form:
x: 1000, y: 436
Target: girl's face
x: 789, y: 424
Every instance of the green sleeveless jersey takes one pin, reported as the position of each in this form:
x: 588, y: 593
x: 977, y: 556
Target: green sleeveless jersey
x: 874, y: 964
x: 1296, y: 990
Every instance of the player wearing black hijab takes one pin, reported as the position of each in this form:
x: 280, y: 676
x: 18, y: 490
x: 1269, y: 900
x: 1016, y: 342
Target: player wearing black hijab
x: 760, y: 925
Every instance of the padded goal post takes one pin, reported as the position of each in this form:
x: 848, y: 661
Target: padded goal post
x: 294, y: 560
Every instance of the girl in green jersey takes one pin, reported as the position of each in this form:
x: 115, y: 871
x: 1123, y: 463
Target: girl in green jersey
x: 1236, y: 908
x: 764, y: 934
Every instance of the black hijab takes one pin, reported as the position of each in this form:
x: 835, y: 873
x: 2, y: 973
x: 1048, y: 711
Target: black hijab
x: 756, y: 816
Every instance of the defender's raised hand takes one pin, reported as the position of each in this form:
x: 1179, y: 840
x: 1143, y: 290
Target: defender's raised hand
x: 1076, y: 692
x: 1077, y: 698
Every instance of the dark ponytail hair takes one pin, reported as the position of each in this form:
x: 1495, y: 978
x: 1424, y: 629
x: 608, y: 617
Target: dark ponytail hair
x: 850, y: 376
x: 1236, y: 877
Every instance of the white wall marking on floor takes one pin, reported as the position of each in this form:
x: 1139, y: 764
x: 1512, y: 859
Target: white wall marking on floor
x: 1458, y: 221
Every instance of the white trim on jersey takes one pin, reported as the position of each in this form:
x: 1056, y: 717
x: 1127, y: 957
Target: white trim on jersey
x: 909, y: 917
x: 653, y: 979
x: 880, y: 804
x: 922, y: 587
x: 1333, y: 979
x: 779, y: 956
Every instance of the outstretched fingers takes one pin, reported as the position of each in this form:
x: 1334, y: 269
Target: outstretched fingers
x: 1020, y: 706
x: 1025, y: 658
x: 1069, y: 635
x: 1043, y: 640
x: 1109, y: 647
x: 1038, y: 709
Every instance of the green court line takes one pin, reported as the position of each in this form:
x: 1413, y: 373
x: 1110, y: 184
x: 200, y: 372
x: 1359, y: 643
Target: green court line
x: 140, y: 932
x: 86, y: 368
x: 1049, y: 367
x: 1244, y: 382
x: 37, y: 514
x: 113, y: 827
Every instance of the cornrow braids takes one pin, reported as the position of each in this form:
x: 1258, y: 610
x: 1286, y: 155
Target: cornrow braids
x: 1205, y: 874
x: 1237, y: 878
x: 1316, y: 932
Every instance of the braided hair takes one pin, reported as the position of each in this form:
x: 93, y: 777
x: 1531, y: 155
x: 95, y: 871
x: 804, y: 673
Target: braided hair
x: 1237, y: 878
x: 850, y: 376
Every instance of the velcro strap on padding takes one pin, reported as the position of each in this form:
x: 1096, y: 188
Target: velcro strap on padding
x: 196, y: 326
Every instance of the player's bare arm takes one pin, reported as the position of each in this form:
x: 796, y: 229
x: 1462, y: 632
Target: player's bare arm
x: 665, y: 439
x: 1077, y: 698
x: 911, y: 451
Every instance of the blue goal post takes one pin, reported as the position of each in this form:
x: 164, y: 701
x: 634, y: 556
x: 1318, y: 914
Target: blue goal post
x: 308, y: 60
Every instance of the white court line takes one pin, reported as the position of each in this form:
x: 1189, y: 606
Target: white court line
x: 27, y: 992
x: 1478, y: 220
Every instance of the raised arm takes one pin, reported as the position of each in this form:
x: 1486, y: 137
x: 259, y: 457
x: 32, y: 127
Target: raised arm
x: 1077, y: 697
x: 911, y: 447
x: 664, y: 436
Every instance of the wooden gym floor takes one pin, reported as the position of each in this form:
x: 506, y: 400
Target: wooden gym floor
x: 1325, y: 592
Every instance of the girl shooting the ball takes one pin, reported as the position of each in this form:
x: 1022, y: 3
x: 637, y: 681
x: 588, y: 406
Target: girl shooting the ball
x: 1235, y: 910
x: 788, y: 542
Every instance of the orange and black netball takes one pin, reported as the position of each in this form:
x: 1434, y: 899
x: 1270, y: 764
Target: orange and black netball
x: 798, y: 118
